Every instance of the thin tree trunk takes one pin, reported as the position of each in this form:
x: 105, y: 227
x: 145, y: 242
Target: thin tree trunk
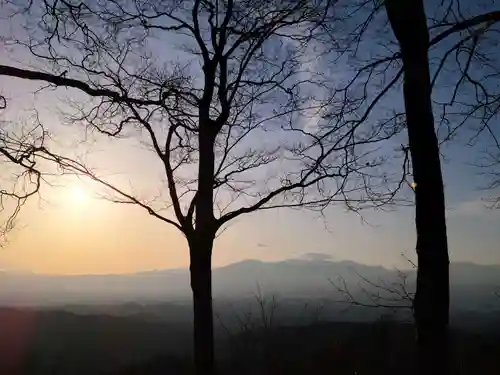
x: 431, y: 305
x: 201, y: 285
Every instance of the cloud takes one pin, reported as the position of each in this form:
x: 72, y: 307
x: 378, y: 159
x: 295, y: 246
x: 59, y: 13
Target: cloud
x: 320, y: 257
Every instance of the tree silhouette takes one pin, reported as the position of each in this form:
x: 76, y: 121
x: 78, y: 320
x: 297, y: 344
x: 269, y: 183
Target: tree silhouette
x: 239, y: 118
x: 446, y: 58
x: 394, y: 295
x: 432, y: 297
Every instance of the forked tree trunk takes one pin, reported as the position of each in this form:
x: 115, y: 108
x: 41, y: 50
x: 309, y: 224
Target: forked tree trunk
x: 431, y: 305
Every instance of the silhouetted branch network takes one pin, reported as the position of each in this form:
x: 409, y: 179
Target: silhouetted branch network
x: 21, y: 179
x: 464, y: 64
x: 394, y: 295
x: 284, y: 134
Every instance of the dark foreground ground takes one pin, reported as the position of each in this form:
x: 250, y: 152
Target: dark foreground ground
x: 63, y: 343
x: 335, y: 348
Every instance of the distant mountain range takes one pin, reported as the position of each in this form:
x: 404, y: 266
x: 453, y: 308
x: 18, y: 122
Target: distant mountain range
x: 473, y: 286
x: 98, y: 324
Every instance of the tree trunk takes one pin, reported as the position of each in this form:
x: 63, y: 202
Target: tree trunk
x: 201, y: 285
x: 431, y: 305
x: 200, y: 250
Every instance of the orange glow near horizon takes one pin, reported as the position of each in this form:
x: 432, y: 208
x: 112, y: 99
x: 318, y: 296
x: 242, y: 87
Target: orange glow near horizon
x: 73, y: 232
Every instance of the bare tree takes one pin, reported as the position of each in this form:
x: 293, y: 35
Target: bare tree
x: 239, y: 118
x: 253, y: 330
x: 446, y: 58
x: 394, y: 295
x: 432, y: 298
x: 245, y: 77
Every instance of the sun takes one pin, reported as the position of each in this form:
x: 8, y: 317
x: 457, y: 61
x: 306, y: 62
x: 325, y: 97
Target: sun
x: 78, y: 195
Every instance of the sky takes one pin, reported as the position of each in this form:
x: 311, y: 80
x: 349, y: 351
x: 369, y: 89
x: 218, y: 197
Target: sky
x: 69, y: 229
x: 73, y: 235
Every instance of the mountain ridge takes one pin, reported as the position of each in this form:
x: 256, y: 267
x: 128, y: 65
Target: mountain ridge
x: 472, y: 285
x: 6, y: 272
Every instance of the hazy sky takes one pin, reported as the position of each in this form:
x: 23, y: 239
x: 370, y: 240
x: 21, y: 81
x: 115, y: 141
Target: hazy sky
x: 73, y: 231
x: 70, y: 235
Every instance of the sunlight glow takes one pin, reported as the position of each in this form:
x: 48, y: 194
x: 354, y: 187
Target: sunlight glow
x: 78, y: 195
